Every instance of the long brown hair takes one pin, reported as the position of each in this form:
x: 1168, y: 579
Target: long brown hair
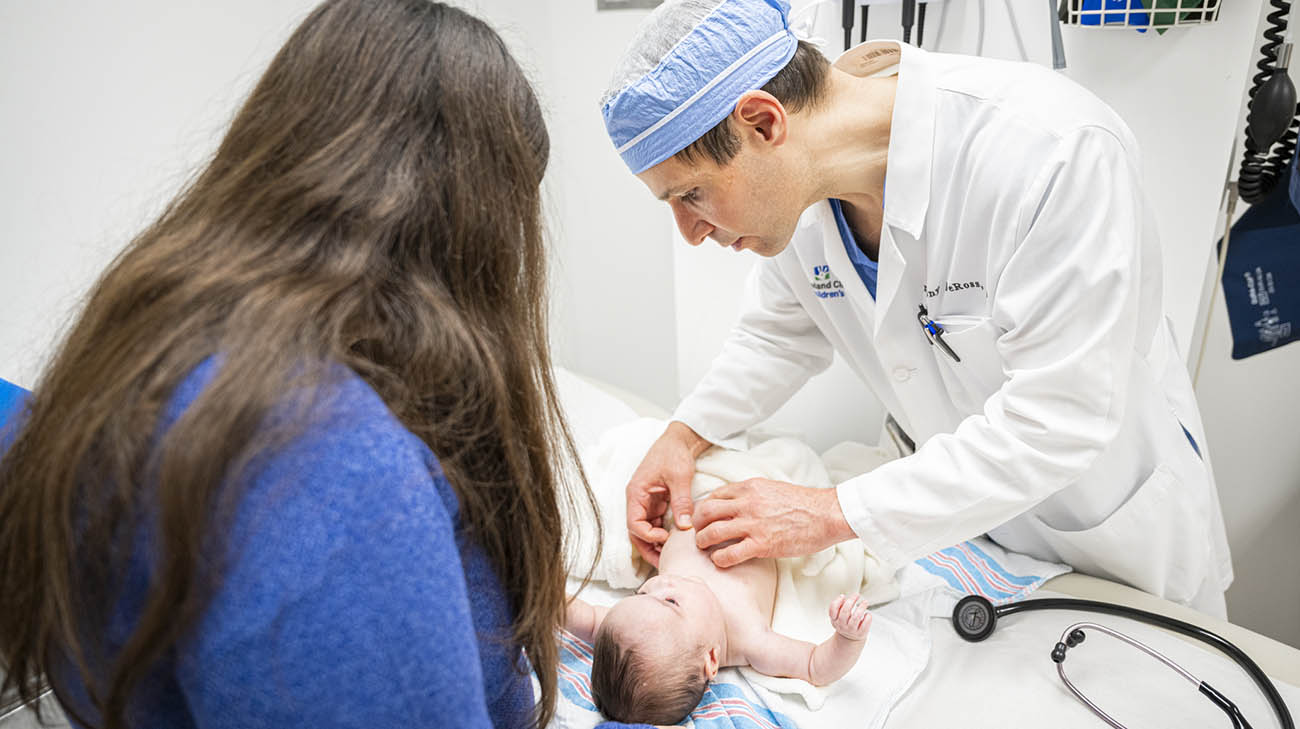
x: 374, y: 203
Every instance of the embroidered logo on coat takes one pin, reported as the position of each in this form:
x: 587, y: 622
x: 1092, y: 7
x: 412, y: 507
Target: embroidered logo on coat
x: 825, y: 285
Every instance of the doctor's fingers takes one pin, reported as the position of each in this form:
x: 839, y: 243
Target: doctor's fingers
x: 645, y: 525
x: 752, y: 490
x: 648, y: 531
x: 660, y: 492
x: 742, y: 551
x: 646, y: 534
x: 646, y: 501
x: 721, y: 531
x: 711, y: 510
x: 649, y: 551
x: 647, y: 508
x: 677, y: 482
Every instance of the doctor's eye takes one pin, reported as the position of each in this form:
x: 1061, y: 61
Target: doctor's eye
x: 671, y: 600
x: 691, y: 195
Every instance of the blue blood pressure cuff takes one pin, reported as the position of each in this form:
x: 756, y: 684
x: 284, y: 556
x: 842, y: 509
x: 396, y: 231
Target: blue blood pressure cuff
x: 1261, y: 276
x: 1295, y: 182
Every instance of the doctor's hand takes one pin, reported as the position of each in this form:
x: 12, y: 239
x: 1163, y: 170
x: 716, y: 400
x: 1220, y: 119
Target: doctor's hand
x: 764, y: 518
x: 662, y: 480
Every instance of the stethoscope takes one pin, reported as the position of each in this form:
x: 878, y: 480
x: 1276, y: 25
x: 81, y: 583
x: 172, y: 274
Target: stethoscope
x: 974, y: 619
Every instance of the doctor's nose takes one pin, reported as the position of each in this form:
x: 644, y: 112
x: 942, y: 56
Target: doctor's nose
x: 694, y: 228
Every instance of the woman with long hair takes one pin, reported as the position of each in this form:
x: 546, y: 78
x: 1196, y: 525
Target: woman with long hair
x: 296, y: 463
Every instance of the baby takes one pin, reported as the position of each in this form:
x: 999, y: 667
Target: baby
x: 657, y: 650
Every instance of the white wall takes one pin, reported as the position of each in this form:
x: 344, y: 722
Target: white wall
x: 612, y: 284
x: 110, y: 107
x: 107, y: 108
x: 1249, y: 408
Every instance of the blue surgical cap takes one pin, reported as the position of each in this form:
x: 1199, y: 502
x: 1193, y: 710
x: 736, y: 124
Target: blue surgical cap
x: 660, y: 108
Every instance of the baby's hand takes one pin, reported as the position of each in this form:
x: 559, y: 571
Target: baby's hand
x: 850, y: 617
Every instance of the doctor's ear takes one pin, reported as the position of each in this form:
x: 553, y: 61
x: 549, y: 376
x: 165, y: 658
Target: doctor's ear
x: 760, y: 116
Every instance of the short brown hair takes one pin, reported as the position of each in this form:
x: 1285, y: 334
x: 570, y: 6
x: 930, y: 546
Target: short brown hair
x: 800, y: 85
x: 627, y: 688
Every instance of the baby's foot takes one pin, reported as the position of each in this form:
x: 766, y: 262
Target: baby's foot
x: 850, y: 617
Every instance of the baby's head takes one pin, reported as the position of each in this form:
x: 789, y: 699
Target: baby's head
x: 657, y: 650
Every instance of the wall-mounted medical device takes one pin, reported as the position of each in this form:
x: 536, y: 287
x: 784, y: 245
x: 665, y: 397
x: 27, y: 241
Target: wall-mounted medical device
x: 911, y: 15
x: 1258, y: 256
x: 1273, y: 119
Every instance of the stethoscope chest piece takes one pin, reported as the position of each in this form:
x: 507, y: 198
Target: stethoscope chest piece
x: 974, y: 618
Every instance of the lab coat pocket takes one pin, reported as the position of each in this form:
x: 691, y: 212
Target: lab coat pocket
x: 971, y: 381
x: 1151, y: 541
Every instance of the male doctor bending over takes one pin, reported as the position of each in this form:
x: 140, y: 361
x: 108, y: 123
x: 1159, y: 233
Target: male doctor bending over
x: 970, y: 235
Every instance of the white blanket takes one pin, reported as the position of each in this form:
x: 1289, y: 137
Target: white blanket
x: 609, y: 466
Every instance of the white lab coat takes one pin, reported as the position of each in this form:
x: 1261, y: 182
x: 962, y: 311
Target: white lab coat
x: 1014, y: 213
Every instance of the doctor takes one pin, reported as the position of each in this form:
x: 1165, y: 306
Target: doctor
x: 970, y: 236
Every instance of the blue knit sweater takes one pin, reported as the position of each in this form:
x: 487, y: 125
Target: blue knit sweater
x: 350, y: 597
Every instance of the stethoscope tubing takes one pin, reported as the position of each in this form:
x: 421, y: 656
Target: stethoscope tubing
x: 1060, y: 667
x: 1136, y: 644
x: 1207, y: 636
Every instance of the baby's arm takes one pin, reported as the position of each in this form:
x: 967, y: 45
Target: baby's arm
x: 583, y: 619
x: 777, y: 655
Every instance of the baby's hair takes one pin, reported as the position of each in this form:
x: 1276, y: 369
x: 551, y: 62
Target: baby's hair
x: 628, y: 688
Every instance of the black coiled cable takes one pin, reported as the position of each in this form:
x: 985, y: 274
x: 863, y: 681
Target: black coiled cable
x: 1261, y: 168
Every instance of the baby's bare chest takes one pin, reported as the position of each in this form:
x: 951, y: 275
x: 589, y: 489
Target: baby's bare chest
x: 747, y: 591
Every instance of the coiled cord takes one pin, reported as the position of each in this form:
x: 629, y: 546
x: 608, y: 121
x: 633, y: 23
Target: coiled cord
x: 1261, y: 168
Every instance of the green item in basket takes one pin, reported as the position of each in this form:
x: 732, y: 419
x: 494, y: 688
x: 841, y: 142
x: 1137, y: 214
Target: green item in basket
x: 1192, y: 13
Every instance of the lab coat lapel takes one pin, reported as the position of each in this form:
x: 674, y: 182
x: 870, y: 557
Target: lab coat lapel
x: 902, y: 256
x: 838, y: 259
x: 905, y: 352
x: 907, y: 182
x: 890, y: 274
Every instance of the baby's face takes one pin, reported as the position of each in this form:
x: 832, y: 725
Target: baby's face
x: 671, y: 610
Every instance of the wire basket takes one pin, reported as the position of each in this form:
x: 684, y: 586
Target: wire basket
x: 1139, y: 15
